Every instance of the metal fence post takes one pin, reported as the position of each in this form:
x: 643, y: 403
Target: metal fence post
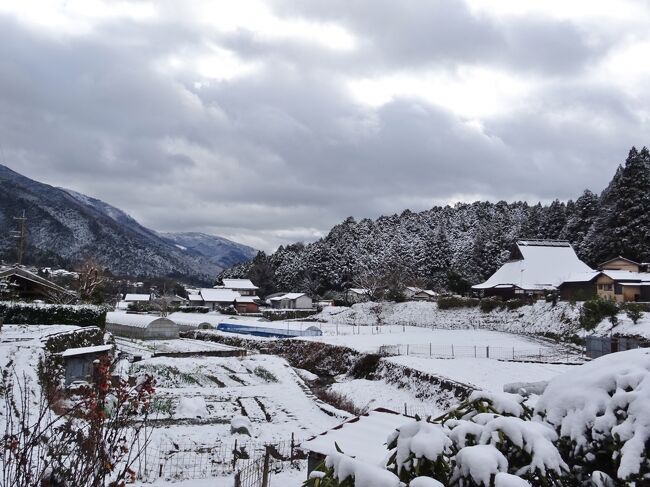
x: 474, y: 351
x: 407, y: 349
x: 513, y: 353
x: 429, y: 349
x: 452, y: 351
x: 487, y: 351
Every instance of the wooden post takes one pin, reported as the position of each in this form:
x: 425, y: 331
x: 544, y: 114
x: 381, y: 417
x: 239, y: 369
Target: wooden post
x: 407, y: 349
x: 265, y: 472
x: 292, y: 444
x: 405, y: 410
x: 429, y: 349
x: 452, y: 350
x: 474, y: 351
x: 487, y: 351
x: 513, y: 353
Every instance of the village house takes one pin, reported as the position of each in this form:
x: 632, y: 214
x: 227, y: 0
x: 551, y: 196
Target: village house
x: 357, y: 295
x: 621, y: 280
x: 27, y: 285
x: 412, y: 293
x: 535, y: 267
x: 242, y: 286
x: 291, y: 301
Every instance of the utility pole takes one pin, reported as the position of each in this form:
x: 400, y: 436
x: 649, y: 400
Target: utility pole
x: 21, y: 237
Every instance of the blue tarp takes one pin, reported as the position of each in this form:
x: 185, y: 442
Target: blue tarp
x: 262, y: 331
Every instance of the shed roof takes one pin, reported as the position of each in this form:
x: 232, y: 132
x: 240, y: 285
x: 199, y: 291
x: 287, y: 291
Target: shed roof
x: 602, y: 264
x: 544, y: 265
x: 71, y: 352
x: 247, y: 299
x: 195, y: 297
x: 290, y: 296
x: 219, y: 295
x: 363, y: 437
x: 137, y: 297
x: 238, y: 284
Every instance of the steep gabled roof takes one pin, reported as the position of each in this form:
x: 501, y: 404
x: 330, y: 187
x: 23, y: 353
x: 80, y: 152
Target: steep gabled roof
x: 23, y: 273
x: 543, y: 265
x: 602, y: 264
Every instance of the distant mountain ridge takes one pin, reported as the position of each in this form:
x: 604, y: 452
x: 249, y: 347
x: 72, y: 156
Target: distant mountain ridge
x: 65, y: 226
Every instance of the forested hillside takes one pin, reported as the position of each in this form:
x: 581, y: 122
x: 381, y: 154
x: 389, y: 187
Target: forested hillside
x: 453, y: 246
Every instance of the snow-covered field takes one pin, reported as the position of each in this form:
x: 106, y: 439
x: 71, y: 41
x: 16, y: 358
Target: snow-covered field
x: 372, y: 338
x: 482, y: 373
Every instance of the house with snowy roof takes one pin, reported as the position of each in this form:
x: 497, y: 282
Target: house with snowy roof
x: 413, y: 293
x: 534, y: 268
x: 28, y: 285
x: 217, y: 297
x: 619, y: 279
x: 244, y: 287
x: 291, y: 301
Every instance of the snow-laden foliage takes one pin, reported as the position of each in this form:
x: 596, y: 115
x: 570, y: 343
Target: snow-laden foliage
x: 602, y: 413
x: 591, y: 427
x: 451, y: 246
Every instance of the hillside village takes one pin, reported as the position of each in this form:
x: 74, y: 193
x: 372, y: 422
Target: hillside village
x: 268, y: 387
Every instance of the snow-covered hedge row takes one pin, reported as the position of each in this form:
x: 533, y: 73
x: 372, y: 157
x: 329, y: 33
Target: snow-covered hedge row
x: 52, y: 314
x: 590, y: 427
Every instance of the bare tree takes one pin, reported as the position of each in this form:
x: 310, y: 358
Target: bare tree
x: 91, y: 277
x: 161, y: 305
x: 372, y: 282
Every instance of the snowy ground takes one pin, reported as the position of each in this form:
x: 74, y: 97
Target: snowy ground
x: 541, y: 317
x: 626, y: 327
x: 486, y: 374
x: 372, y: 338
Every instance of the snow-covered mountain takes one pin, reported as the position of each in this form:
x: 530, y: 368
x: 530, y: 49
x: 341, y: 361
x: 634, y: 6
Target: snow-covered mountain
x: 218, y: 250
x: 64, y: 227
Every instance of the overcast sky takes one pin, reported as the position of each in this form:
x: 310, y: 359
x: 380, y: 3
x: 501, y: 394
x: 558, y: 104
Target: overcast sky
x: 269, y: 122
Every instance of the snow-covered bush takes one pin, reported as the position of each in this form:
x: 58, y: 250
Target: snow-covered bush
x: 591, y: 426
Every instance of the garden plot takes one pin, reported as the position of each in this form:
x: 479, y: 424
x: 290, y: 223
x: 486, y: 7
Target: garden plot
x: 262, y: 387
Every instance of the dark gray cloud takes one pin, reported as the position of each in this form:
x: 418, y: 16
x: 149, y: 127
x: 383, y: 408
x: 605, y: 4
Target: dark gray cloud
x: 285, y: 151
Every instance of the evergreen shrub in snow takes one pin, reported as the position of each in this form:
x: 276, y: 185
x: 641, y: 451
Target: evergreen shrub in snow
x: 451, y: 302
x: 591, y: 427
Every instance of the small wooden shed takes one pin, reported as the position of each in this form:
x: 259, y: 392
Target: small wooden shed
x: 144, y: 327
x: 79, y: 362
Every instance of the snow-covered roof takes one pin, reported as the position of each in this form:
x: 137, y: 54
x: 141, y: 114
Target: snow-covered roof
x: 247, y: 299
x: 238, y: 284
x: 290, y: 296
x: 620, y: 275
x: 131, y: 319
x: 363, y: 437
x: 70, y: 352
x: 194, y: 297
x: 359, y: 290
x: 21, y: 272
x: 219, y: 295
x: 137, y: 297
x: 545, y: 264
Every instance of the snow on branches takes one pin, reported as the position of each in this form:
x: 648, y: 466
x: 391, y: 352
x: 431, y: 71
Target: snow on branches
x: 590, y: 427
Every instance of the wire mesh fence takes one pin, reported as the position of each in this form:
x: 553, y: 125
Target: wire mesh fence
x: 189, y: 460
x: 543, y: 355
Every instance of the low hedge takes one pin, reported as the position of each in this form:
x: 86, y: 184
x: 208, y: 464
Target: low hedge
x: 52, y: 314
x: 451, y: 302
